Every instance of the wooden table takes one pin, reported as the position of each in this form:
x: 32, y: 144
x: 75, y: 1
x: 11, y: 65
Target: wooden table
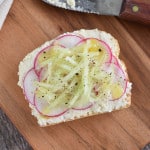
x: 31, y: 23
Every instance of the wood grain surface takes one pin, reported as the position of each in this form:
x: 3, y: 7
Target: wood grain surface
x: 29, y: 24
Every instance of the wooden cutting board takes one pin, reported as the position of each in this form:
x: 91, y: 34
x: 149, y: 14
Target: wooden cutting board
x: 31, y: 23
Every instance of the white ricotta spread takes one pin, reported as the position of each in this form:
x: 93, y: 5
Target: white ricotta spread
x: 71, y: 3
x: 99, y: 107
x: 61, y: 3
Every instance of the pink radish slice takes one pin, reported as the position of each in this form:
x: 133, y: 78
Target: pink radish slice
x: 68, y: 40
x: 114, y: 60
x: 43, y: 73
x: 41, y: 105
x: 38, y: 70
x: 87, y: 106
x: 29, y: 86
x: 119, y: 76
x: 36, y: 65
x: 105, y: 45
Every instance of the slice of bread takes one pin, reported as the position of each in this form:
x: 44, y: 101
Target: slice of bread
x: 97, y: 108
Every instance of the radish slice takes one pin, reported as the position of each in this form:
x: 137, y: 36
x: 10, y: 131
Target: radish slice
x: 29, y: 86
x: 43, y: 74
x: 67, y: 40
x: 42, y: 106
x: 106, y: 47
x: 36, y: 67
x: 114, y: 60
x: 87, y: 106
x: 118, y: 80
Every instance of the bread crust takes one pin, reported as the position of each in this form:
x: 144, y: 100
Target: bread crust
x: 95, y: 33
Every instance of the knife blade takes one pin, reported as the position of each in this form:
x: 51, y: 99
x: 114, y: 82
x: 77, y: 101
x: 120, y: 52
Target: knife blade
x: 105, y: 7
x: 134, y: 10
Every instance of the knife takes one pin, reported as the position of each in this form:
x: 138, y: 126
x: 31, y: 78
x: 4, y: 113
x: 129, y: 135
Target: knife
x: 133, y: 10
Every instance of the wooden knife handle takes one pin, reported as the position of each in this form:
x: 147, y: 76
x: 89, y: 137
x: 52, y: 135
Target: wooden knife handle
x: 136, y: 10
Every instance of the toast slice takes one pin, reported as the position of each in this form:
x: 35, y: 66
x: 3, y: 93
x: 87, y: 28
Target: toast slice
x: 98, y: 107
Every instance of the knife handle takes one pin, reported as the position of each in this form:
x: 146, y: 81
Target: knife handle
x: 136, y: 10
